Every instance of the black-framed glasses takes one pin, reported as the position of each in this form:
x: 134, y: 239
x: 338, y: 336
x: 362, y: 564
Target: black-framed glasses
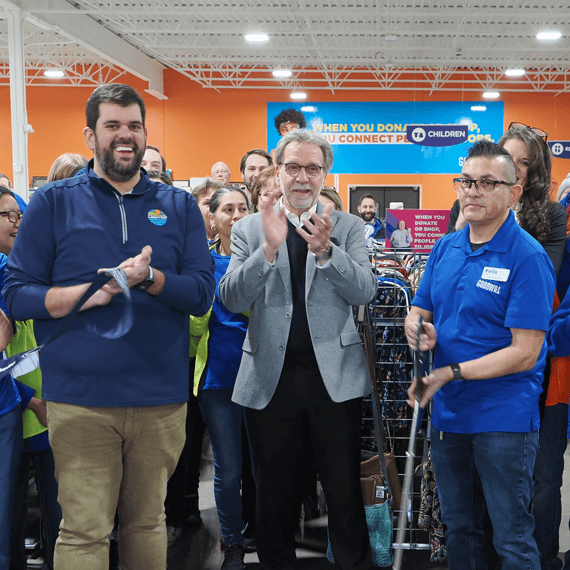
x: 12, y: 215
x: 482, y: 185
x: 293, y: 169
x: 538, y: 132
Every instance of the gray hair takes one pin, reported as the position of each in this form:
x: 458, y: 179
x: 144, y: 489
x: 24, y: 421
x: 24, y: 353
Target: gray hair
x: 306, y: 136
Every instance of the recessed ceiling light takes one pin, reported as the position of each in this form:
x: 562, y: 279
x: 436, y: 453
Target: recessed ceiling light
x: 491, y: 94
x: 548, y: 36
x: 515, y: 72
x: 54, y: 73
x: 298, y: 95
x: 478, y: 108
x: 282, y: 73
x: 256, y: 38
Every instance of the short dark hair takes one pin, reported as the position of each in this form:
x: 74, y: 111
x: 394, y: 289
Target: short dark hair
x: 290, y: 116
x: 4, y: 190
x: 489, y: 149
x: 259, y: 151
x: 368, y: 196
x: 161, y: 157
x: 115, y: 93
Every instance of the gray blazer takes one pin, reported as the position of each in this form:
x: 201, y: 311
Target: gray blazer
x: 252, y: 282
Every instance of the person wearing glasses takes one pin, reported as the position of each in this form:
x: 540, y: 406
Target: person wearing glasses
x: 221, y: 173
x: 300, y: 267
x: 542, y: 218
x: 486, y: 299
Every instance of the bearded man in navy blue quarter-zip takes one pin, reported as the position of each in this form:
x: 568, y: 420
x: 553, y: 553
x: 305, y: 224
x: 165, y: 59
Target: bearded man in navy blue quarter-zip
x: 116, y: 407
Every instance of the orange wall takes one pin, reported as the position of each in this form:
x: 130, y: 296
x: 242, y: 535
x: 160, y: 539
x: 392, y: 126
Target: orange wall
x: 196, y: 127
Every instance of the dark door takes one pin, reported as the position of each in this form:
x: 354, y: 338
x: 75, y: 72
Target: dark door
x: 384, y: 195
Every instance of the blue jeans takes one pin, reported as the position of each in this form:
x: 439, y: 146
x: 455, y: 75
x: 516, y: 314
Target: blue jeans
x: 224, y: 420
x: 11, y: 441
x: 547, y: 502
x: 491, y: 467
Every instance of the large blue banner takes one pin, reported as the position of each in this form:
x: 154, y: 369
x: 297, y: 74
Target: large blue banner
x: 371, y: 138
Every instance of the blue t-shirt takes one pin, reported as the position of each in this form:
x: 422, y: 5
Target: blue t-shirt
x: 227, y: 333
x: 476, y: 298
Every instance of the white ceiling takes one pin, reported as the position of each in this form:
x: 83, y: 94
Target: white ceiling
x: 328, y: 44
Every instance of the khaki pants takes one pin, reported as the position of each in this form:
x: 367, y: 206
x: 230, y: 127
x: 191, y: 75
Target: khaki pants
x: 107, y: 458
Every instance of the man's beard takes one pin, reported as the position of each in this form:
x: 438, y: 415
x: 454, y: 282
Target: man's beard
x: 367, y: 216
x: 114, y: 170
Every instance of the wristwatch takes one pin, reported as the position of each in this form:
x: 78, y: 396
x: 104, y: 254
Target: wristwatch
x: 456, y: 371
x: 148, y: 282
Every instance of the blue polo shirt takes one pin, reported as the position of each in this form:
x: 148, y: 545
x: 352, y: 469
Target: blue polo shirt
x: 476, y: 298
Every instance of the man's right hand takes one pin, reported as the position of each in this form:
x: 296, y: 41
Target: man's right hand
x: 274, y: 229
x: 428, y: 337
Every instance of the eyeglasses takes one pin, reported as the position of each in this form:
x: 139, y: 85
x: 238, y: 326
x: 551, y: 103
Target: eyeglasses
x: 538, y: 132
x: 220, y: 171
x: 12, y: 216
x: 483, y: 185
x: 292, y: 169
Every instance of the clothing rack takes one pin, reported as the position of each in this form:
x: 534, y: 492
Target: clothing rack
x: 398, y: 276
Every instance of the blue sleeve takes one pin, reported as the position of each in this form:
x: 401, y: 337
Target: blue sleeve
x: 191, y: 290
x: 532, y: 294
x: 558, y: 337
x: 3, y: 260
x: 26, y: 393
x: 28, y: 278
x: 21, y: 202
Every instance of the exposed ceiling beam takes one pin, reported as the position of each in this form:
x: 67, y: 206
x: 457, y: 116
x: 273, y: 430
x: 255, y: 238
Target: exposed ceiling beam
x: 89, y: 33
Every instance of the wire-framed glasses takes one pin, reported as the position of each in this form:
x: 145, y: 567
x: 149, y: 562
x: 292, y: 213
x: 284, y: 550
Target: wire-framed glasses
x: 482, y: 185
x: 538, y: 132
x: 293, y: 169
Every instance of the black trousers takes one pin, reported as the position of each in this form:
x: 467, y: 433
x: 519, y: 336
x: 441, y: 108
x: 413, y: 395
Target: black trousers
x: 300, y: 403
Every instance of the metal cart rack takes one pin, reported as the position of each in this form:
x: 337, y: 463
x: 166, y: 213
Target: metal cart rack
x: 398, y: 276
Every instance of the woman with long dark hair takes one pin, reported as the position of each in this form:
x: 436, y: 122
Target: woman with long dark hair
x: 217, y: 339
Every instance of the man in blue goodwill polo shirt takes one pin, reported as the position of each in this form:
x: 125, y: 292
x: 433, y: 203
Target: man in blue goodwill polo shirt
x: 486, y: 297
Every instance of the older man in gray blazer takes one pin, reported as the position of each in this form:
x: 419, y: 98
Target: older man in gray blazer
x: 300, y: 268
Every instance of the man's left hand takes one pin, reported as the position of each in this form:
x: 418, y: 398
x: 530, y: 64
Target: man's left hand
x: 319, y: 240
x: 431, y: 384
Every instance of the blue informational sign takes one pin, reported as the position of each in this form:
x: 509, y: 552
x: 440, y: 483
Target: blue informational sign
x: 372, y: 138
x: 437, y: 135
x: 560, y: 149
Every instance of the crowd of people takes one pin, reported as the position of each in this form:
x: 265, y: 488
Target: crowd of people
x: 161, y: 313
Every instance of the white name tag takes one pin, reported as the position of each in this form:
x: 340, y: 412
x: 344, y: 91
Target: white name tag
x: 495, y: 274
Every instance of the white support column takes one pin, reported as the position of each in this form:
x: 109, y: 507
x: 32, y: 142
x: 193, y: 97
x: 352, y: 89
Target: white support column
x: 20, y: 127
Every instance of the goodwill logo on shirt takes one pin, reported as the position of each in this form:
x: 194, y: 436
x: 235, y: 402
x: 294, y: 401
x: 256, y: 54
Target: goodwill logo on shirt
x: 493, y: 274
x: 157, y: 217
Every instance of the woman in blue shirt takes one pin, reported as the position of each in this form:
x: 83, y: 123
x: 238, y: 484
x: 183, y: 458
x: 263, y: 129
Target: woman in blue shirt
x: 218, y: 358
